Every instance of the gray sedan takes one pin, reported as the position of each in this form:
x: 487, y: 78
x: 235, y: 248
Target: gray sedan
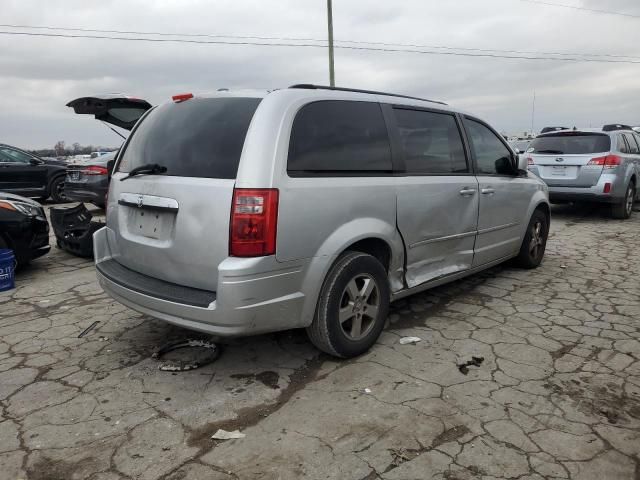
x: 89, y: 181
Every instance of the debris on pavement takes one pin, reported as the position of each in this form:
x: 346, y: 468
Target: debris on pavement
x: 367, y: 390
x: 74, y: 228
x: 563, y: 266
x: 474, y: 362
x: 409, y: 340
x: 224, y: 435
x: 88, y: 329
x: 194, y: 359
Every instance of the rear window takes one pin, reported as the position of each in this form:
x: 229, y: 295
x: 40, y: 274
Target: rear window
x: 339, y: 136
x: 196, y: 138
x: 571, y: 144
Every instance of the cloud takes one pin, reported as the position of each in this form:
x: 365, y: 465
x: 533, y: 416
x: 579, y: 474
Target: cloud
x: 40, y: 75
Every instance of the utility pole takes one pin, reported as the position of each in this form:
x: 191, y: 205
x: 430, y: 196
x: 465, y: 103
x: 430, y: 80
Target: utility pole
x: 533, y: 111
x: 332, y: 79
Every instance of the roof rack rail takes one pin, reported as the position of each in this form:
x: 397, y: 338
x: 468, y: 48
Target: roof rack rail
x: 553, y: 129
x: 616, y: 126
x: 310, y: 86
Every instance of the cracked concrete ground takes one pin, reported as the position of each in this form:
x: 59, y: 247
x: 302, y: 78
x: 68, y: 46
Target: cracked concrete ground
x: 557, y: 395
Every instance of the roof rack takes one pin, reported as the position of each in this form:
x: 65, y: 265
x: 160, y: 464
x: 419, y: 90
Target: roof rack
x: 310, y: 86
x: 553, y: 129
x: 616, y: 126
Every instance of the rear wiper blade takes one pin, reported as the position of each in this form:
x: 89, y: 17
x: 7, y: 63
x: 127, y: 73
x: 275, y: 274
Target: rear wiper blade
x: 556, y: 152
x: 146, y: 169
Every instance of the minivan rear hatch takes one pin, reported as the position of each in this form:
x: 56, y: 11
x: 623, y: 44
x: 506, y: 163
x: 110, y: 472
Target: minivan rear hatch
x: 115, y: 108
x: 562, y: 158
x: 172, y: 223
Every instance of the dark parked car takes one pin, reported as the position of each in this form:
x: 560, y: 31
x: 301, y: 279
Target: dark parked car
x: 23, y: 173
x: 89, y: 181
x: 23, y: 227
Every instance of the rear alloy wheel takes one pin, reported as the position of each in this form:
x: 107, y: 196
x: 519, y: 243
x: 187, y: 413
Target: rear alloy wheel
x: 623, y: 209
x: 353, y: 306
x: 535, y: 241
x: 56, y: 190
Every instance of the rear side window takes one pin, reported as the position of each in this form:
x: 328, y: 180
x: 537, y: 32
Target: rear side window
x: 431, y: 142
x: 633, y: 146
x: 571, y: 144
x: 196, y: 138
x: 14, y: 156
x: 622, y: 144
x: 492, y: 156
x: 339, y: 136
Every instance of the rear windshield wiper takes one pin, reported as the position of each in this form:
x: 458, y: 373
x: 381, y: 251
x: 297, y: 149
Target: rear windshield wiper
x: 555, y: 152
x: 146, y: 169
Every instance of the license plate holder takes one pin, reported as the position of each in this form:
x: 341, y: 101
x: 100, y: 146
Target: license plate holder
x: 74, y: 175
x: 559, y: 170
x: 148, y: 223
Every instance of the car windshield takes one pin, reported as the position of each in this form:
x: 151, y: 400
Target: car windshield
x: 571, y: 144
x: 196, y: 138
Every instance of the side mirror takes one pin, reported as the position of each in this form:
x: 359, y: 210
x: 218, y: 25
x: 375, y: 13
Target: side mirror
x: 35, y: 161
x: 523, y: 164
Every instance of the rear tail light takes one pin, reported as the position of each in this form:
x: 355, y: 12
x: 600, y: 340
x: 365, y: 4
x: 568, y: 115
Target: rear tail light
x: 254, y: 217
x: 530, y: 161
x: 95, y: 170
x: 607, y: 188
x: 610, y: 161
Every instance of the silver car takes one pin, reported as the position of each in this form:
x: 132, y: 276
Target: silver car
x: 590, y: 165
x: 245, y: 212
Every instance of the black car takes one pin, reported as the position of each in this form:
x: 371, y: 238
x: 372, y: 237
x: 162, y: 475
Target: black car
x: 23, y: 173
x: 89, y: 181
x: 23, y: 227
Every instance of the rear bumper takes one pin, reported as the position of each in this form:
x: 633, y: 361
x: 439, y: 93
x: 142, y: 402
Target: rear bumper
x: 591, y: 194
x: 86, y: 192
x: 254, y: 295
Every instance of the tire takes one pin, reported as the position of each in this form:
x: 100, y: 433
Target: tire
x: 56, y: 190
x: 623, y: 209
x: 534, y: 242
x: 357, y: 284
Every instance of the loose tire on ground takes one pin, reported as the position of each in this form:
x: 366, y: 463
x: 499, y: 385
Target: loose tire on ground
x: 352, y: 307
x: 534, y: 242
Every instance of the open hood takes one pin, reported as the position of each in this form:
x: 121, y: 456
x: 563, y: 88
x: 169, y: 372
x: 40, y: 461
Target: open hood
x: 114, y: 108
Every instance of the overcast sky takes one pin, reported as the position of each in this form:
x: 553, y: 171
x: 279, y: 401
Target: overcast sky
x: 39, y: 75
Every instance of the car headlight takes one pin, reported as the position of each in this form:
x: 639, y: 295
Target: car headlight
x: 25, y: 208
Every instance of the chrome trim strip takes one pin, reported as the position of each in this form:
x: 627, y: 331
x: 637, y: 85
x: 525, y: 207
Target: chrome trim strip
x: 499, y: 227
x: 442, y: 239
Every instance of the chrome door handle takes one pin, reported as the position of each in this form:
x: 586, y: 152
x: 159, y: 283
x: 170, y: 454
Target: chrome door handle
x: 467, y: 192
x: 488, y: 191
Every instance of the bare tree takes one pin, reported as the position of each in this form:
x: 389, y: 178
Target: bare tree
x: 59, y: 148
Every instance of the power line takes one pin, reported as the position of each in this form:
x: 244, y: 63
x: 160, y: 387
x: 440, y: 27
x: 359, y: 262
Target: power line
x: 314, y: 45
x: 575, y: 7
x: 323, y: 41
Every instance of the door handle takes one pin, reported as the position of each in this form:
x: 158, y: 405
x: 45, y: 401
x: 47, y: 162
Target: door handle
x: 467, y: 192
x: 488, y: 191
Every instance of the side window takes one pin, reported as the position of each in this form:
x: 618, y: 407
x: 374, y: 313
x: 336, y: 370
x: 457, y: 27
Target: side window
x: 633, y: 146
x: 622, y: 144
x: 10, y: 155
x: 637, y: 139
x: 431, y: 142
x: 339, y: 136
x: 492, y: 156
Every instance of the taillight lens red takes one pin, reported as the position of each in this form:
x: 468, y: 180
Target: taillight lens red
x: 607, y: 188
x: 254, y: 217
x: 95, y: 170
x: 609, y: 161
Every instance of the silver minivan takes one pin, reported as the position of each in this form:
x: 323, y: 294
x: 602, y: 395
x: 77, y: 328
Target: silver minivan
x: 244, y: 212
